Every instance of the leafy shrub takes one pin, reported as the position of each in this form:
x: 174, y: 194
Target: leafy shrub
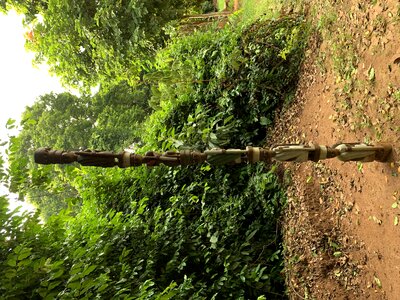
x: 198, y: 232
x: 29, y: 253
x: 189, y: 240
x: 245, y: 73
x: 211, y: 230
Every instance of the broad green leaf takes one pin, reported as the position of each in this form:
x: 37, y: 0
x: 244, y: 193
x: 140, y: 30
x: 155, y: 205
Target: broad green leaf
x: 89, y: 270
x: 251, y: 235
x: 76, y: 268
x: 57, y: 274
x: 24, y: 253
x: 213, y: 239
x: 102, y: 287
x: 74, y: 285
x: 79, y: 252
x: 51, y: 296
x: 53, y: 284
x: 12, y: 262
x: 11, y: 273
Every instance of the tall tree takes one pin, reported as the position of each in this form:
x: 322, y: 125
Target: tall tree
x: 59, y: 120
x: 62, y: 120
x: 108, y: 121
x: 119, y: 115
x: 87, y: 42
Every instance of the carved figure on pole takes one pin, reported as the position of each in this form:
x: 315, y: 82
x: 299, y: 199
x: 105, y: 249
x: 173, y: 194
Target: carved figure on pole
x: 285, y: 152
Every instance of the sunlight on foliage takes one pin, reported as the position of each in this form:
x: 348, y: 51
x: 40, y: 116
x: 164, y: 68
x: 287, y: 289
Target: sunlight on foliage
x: 197, y: 232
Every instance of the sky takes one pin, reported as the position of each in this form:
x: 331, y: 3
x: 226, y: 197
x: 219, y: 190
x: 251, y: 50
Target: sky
x: 20, y: 82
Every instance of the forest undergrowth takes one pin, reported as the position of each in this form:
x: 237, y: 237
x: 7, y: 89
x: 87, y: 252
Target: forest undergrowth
x: 198, y: 232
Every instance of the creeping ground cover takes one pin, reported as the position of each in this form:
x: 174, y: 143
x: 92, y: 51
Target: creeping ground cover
x: 198, y: 232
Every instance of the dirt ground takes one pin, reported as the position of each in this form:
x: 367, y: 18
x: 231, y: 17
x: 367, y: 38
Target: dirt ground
x: 342, y: 225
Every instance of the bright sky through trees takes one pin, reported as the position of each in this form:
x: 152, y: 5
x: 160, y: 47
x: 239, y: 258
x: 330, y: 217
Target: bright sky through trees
x: 20, y: 82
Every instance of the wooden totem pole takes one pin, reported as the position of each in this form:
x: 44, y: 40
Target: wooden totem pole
x: 285, y: 152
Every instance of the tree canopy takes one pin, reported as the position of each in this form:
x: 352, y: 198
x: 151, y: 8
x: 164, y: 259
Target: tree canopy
x: 62, y: 120
x: 107, y: 121
x: 88, y: 42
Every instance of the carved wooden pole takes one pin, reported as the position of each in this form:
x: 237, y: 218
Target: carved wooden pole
x: 286, y: 152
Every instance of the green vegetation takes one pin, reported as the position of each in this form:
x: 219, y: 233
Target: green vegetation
x: 254, y: 10
x: 226, y: 84
x: 64, y: 121
x: 221, y: 4
x: 199, y: 232
x: 90, y: 42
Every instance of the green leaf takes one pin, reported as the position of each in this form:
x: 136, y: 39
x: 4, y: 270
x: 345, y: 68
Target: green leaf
x: 213, y: 239
x: 79, y: 252
x: 334, y: 245
x: 250, y: 236
x: 75, y: 285
x: 395, y: 204
x: 10, y: 124
x: 371, y: 74
x: 57, y: 264
x: 102, y: 287
x: 228, y: 119
x: 378, y: 282
x: 18, y: 249
x: 87, y: 284
x: 24, y: 253
x: 53, y: 284
x: 89, y: 270
x: 76, y: 268
x: 51, y: 296
x: 337, y: 253
x: 11, y: 273
x: 12, y: 262
x: 57, y: 274
x: 265, y: 121
x: 31, y: 122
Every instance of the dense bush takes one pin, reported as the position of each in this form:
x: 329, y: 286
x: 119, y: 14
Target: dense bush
x: 199, y: 232
x: 211, y: 238
x: 222, y: 88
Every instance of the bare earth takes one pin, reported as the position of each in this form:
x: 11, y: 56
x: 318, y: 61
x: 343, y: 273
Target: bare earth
x: 342, y: 226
